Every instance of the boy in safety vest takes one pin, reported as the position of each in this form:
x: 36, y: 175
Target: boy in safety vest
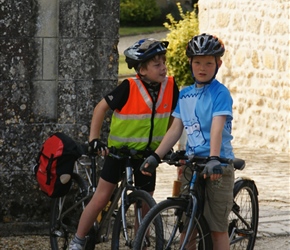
x: 204, y: 110
x: 142, y: 108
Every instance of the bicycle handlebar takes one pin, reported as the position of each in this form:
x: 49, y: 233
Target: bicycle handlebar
x: 178, y: 158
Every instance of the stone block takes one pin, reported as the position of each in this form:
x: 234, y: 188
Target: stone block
x: 47, y: 21
x: 88, y: 59
x: 45, y: 101
x: 50, y: 59
x: 15, y: 102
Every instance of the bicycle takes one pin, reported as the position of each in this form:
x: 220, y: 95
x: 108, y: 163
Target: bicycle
x: 184, y: 214
x: 124, y: 206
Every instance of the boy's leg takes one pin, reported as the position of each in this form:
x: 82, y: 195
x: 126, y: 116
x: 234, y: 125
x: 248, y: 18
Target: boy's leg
x: 218, y: 204
x: 147, y: 183
x: 220, y: 240
x: 99, y: 200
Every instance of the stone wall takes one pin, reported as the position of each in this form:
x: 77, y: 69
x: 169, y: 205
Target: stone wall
x: 255, y: 67
x: 57, y: 58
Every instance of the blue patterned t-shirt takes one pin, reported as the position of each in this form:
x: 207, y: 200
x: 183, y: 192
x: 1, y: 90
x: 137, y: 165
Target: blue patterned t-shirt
x: 196, y: 107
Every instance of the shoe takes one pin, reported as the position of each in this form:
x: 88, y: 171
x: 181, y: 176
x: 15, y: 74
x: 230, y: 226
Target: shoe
x: 77, y: 244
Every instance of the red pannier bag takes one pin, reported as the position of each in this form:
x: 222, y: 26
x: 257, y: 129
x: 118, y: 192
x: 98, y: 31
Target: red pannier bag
x: 55, y: 163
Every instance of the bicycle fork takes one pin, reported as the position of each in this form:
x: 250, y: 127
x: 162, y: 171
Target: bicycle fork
x: 124, y: 201
x: 193, y: 208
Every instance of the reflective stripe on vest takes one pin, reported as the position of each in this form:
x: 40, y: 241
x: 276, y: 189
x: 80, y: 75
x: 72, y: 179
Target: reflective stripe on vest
x: 131, y: 126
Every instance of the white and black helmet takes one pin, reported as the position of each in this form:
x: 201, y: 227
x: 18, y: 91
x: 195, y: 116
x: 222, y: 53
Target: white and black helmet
x: 205, y: 45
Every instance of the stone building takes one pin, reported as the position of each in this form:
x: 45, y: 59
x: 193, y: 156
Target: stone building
x: 255, y: 67
x: 57, y: 57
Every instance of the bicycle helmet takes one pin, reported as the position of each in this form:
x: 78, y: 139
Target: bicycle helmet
x: 205, y: 45
x: 144, y: 50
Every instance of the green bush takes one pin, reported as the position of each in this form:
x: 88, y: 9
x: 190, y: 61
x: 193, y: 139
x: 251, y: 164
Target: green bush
x: 180, y: 33
x: 138, y: 12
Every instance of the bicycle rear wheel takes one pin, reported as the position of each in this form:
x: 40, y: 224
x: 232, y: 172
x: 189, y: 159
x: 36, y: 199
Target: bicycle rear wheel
x: 133, y: 210
x: 173, y: 228
x: 243, y: 219
x: 66, y: 212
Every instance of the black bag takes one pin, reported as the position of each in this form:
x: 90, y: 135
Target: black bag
x: 55, y: 163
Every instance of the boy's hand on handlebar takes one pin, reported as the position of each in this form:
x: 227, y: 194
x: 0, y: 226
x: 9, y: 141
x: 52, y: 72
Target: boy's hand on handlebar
x: 213, y: 169
x: 96, y: 146
x: 150, y: 164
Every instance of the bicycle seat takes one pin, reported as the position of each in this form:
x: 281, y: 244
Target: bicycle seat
x: 239, y: 164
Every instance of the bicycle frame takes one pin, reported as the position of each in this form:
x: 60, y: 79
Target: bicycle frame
x: 102, y: 228
x: 193, y: 205
x: 121, y: 191
x: 119, y: 217
x: 129, y: 178
x: 127, y: 185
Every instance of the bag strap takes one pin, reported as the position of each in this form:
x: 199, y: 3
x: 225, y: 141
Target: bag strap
x: 48, y: 169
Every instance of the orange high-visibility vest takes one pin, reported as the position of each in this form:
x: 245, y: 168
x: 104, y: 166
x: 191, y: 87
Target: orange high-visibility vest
x: 131, y: 126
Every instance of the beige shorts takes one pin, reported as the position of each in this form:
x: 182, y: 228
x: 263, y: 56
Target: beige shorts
x: 218, y: 198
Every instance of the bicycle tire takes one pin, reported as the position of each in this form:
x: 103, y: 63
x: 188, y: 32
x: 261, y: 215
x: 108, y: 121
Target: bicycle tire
x: 172, y: 213
x: 118, y: 239
x: 245, y: 205
x: 64, y: 222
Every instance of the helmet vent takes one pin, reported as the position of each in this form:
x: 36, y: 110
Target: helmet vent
x: 205, y: 44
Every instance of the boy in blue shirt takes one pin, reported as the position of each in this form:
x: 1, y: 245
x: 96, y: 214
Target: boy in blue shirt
x: 204, y: 110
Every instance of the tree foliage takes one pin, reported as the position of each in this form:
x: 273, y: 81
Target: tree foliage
x: 138, y: 12
x: 180, y: 33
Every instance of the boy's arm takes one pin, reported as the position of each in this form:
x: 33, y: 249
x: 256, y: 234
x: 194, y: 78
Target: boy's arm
x: 170, y: 138
x: 213, y: 167
x: 97, y: 119
x: 168, y: 141
x: 217, y: 126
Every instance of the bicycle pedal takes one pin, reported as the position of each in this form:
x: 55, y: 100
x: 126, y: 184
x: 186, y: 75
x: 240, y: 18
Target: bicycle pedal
x: 57, y: 233
x: 105, y: 238
x: 243, y: 232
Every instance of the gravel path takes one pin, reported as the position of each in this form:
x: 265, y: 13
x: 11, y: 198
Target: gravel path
x: 42, y: 243
x: 126, y: 41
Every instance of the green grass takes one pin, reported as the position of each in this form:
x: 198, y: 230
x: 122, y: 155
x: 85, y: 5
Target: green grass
x: 131, y: 31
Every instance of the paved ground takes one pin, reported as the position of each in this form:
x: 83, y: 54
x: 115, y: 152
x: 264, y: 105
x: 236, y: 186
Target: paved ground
x: 127, y: 41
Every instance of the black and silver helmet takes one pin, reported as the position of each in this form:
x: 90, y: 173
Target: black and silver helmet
x: 144, y: 50
x: 205, y: 45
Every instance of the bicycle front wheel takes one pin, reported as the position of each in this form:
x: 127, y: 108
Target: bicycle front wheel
x: 133, y: 214
x: 172, y: 212
x: 66, y: 212
x: 243, y: 219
